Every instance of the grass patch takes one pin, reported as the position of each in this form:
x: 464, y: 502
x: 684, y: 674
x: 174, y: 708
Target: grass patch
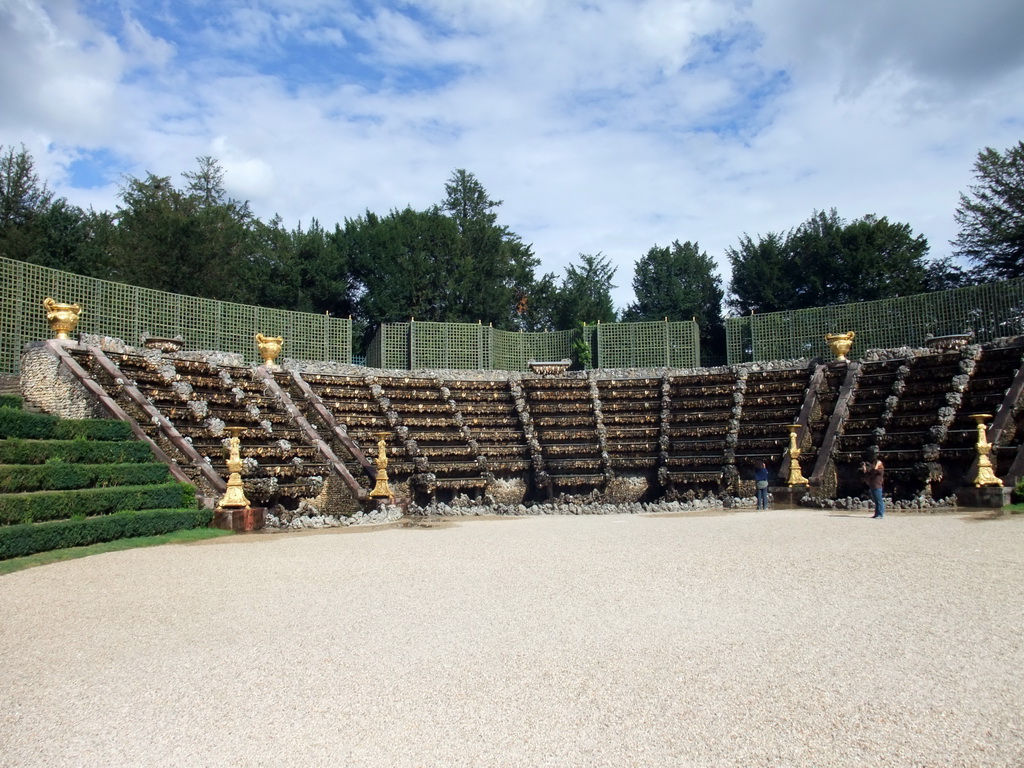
x: 73, y: 553
x: 1014, y: 509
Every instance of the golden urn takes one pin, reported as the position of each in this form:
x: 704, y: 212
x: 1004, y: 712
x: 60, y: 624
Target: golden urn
x: 986, y: 473
x: 269, y: 348
x: 62, y: 318
x: 796, y: 477
x: 234, y: 496
x: 840, y: 344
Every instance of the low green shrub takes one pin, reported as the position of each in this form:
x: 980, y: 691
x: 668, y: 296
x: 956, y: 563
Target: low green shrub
x: 21, y: 540
x: 56, y: 475
x: 40, y: 506
x: 11, y: 401
x: 1018, y: 491
x: 92, y: 429
x: 45, y: 426
x: 17, y: 451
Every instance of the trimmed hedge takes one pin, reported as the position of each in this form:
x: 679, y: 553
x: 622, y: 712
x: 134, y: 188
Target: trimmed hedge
x: 17, y: 451
x: 21, y: 540
x: 18, y: 508
x: 45, y: 426
x: 11, y: 401
x: 61, y: 476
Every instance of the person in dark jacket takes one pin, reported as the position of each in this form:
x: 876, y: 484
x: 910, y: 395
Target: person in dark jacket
x: 761, y: 482
x: 874, y: 475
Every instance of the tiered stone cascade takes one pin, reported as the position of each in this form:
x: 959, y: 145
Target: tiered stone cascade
x: 565, y: 425
x: 187, y: 407
x: 517, y: 438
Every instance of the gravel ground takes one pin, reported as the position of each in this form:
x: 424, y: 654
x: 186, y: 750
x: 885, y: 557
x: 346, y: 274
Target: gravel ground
x: 785, y: 638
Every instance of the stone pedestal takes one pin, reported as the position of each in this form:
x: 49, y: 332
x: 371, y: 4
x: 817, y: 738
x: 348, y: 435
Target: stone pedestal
x: 239, y: 519
x: 988, y: 496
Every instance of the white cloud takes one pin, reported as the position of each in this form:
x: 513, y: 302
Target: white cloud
x: 605, y: 126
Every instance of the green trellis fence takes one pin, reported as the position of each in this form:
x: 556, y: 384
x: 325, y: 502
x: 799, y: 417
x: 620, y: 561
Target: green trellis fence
x: 425, y: 345
x: 127, y: 311
x: 989, y: 311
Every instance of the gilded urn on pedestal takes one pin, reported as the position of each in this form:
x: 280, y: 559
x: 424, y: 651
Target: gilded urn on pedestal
x: 840, y: 344
x: 62, y: 318
x: 269, y: 348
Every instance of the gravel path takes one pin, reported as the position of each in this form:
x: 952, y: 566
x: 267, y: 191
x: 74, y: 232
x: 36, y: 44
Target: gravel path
x: 786, y: 638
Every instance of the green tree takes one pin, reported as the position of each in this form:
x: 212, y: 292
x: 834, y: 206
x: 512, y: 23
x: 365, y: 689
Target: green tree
x: 399, y: 263
x: 304, y: 269
x: 944, y: 274
x: 828, y: 261
x: 38, y: 228
x: 22, y: 195
x: 585, y: 295
x: 491, y: 268
x: 679, y: 283
x: 761, y: 279
x: 74, y: 240
x: 537, y: 304
x: 193, y: 240
x: 991, y: 218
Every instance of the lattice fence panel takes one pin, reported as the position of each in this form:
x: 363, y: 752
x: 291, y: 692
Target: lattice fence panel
x: 739, y: 346
x: 126, y: 312
x: 393, y: 347
x: 990, y: 311
x: 448, y: 345
x: 684, y: 344
x: 374, y: 349
x: 647, y: 345
x: 508, y: 350
x: 616, y: 343
x: 555, y: 345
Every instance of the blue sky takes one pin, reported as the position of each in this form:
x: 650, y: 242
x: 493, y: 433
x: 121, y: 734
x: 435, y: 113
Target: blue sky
x: 605, y: 126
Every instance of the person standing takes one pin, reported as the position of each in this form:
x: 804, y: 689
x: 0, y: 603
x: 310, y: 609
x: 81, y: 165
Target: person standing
x: 761, y: 483
x: 874, y: 474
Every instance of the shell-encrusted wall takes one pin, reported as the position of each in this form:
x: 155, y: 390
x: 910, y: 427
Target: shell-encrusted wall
x: 623, y: 489
x: 507, y: 491
x: 336, y: 498
x: 50, y: 387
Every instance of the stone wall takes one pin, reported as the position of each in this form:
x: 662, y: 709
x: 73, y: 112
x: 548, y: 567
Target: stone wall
x: 52, y: 388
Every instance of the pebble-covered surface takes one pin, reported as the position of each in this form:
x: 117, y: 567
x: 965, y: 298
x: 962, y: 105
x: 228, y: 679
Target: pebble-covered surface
x: 781, y: 638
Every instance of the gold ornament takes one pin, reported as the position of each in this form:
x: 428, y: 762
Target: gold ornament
x: 986, y: 474
x: 840, y: 344
x: 235, y: 494
x: 62, y: 318
x: 382, y: 490
x: 269, y: 348
x: 796, y: 477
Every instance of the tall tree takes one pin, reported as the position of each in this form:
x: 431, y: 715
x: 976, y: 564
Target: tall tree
x: 206, y: 183
x: 22, y: 195
x: 761, y: 279
x: 679, y: 283
x: 42, y: 229
x: 828, y: 261
x: 585, y: 295
x: 190, y: 240
x: 400, y: 264
x: 491, y: 268
x: 991, y: 218
x: 305, y: 269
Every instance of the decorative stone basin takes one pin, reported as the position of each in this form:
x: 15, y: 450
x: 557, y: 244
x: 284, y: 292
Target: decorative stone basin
x: 549, y: 368
x: 163, y: 344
